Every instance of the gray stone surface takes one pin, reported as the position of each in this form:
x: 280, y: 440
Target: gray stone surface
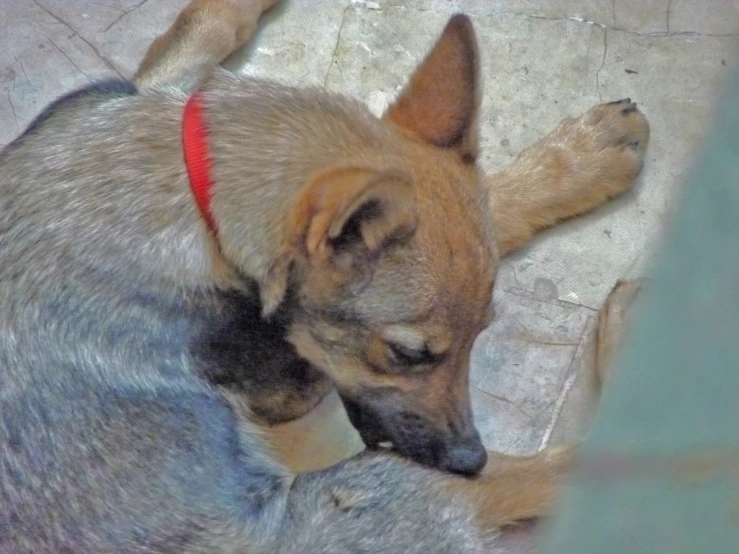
x: 524, y: 364
x: 542, y: 60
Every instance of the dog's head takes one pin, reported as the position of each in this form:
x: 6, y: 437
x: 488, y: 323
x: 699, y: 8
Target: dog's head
x: 395, y: 268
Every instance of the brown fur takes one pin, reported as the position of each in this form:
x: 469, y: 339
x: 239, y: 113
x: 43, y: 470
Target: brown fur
x: 322, y: 437
x: 414, y: 173
x: 122, y: 310
x: 578, y: 166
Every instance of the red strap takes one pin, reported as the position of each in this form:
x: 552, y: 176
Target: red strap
x: 197, y: 160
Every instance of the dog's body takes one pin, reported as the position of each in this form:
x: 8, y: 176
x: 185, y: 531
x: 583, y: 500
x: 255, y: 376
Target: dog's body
x: 125, y: 318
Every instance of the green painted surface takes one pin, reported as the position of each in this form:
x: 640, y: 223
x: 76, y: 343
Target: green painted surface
x: 660, y: 473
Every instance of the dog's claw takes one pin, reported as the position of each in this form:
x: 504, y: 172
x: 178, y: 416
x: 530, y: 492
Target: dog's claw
x: 631, y: 108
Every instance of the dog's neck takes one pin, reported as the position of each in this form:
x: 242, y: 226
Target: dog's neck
x: 197, y: 158
x: 263, y: 154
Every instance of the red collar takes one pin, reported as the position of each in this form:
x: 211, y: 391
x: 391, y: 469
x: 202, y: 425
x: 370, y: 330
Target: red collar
x: 197, y: 160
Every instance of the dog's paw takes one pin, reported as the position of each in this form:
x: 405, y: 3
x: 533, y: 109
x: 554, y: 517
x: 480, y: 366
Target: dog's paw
x: 585, y: 161
x: 254, y: 7
x: 264, y: 5
x: 608, y: 143
x: 244, y: 14
x: 598, y: 155
x: 620, y: 126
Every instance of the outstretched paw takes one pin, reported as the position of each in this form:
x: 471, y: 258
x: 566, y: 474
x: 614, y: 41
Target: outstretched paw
x: 611, y: 140
x: 594, y: 157
x: 577, y: 167
x: 620, y: 124
x: 246, y: 13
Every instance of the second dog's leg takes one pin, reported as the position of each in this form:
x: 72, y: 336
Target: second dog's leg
x: 575, y: 168
x: 202, y: 36
x: 515, y: 488
x: 613, y: 321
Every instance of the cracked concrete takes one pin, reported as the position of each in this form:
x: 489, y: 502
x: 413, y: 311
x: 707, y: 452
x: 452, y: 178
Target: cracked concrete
x: 543, y: 60
x: 602, y: 63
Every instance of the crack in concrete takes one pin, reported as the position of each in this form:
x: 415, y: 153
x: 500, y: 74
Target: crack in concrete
x: 507, y: 401
x: 23, y: 70
x: 667, y: 16
x: 571, y: 375
x: 124, y: 14
x: 615, y: 28
x: 613, y: 12
x: 15, y: 115
x: 107, y: 6
x: 97, y: 52
x: 602, y: 63
x: 336, y: 45
x: 587, y: 51
x: 67, y: 56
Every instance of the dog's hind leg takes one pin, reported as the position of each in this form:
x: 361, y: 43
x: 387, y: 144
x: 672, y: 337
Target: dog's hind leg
x: 579, y: 165
x: 202, y: 36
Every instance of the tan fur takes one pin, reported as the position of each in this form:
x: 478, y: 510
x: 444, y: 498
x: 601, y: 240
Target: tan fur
x: 427, y: 154
x: 574, y: 169
x: 510, y: 488
x: 524, y: 487
x: 312, y: 195
x: 203, y: 35
x: 426, y: 109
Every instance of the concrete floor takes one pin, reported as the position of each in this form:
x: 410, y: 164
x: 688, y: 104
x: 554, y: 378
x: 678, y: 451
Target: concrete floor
x: 542, y: 59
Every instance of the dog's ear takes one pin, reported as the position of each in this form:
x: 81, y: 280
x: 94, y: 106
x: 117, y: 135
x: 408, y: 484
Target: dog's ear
x: 440, y: 103
x: 343, y: 220
x: 352, y: 211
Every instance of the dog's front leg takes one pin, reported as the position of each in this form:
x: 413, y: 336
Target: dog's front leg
x: 202, y: 36
x: 578, y: 166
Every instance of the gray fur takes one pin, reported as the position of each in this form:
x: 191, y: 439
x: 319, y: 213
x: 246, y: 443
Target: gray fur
x: 113, y: 437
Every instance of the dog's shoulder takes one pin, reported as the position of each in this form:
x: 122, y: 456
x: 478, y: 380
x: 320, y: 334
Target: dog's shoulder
x: 96, y: 92
x: 100, y: 91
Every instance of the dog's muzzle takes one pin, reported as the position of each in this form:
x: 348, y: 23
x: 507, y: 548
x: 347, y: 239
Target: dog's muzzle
x: 415, y: 438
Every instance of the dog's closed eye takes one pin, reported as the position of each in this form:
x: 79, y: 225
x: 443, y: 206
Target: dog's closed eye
x: 402, y: 355
x: 409, y: 347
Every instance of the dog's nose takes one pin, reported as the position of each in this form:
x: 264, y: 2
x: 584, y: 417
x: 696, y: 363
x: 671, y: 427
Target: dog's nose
x: 466, y: 457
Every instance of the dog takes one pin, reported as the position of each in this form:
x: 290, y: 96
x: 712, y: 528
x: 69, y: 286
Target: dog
x: 189, y: 243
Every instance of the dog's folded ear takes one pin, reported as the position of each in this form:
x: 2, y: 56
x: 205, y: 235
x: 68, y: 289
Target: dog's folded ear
x: 352, y: 211
x: 345, y: 218
x: 440, y: 103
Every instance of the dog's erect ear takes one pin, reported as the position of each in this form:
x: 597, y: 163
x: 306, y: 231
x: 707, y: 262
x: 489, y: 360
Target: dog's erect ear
x: 440, y: 102
x: 342, y: 220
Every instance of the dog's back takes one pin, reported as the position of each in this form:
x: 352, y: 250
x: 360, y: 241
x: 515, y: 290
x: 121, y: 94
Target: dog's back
x: 115, y: 324
x: 110, y: 440
x: 121, y: 310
